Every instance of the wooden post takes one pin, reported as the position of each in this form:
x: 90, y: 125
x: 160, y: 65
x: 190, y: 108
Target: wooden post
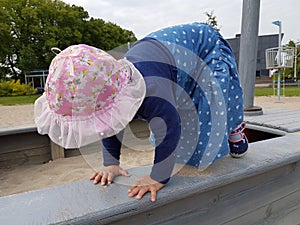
x: 57, y: 152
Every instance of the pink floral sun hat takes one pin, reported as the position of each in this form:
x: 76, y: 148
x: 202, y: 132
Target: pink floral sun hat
x: 88, y: 96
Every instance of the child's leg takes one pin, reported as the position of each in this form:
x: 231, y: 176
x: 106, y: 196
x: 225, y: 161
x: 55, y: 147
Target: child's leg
x: 238, y: 142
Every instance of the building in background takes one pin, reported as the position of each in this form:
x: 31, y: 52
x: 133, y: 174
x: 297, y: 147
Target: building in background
x: 264, y: 42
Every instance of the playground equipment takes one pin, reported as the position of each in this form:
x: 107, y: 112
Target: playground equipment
x: 277, y: 59
x: 37, y: 79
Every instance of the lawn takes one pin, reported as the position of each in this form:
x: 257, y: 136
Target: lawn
x: 14, y: 100
x: 268, y: 91
x: 259, y: 91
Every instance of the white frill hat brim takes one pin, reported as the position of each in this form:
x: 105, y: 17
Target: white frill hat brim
x: 75, y: 131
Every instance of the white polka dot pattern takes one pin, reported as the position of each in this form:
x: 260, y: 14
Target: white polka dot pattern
x: 207, y: 74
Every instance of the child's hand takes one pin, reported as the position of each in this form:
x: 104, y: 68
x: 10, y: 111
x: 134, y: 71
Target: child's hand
x: 107, y: 175
x: 142, y: 186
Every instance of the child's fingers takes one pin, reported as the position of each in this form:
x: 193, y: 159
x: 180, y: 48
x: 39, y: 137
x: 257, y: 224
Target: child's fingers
x: 104, y: 179
x: 132, y: 188
x: 124, y: 173
x: 110, y: 178
x: 97, y: 178
x: 133, y: 191
x: 93, y: 176
x: 153, y: 195
x: 142, y: 192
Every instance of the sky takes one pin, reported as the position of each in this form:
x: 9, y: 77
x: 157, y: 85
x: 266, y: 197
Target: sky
x: 144, y: 16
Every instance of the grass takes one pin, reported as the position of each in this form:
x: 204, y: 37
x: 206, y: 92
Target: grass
x: 269, y: 91
x: 259, y: 91
x: 17, y: 100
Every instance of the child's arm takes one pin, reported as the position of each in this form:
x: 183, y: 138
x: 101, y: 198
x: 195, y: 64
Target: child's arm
x: 111, y: 148
x: 166, y: 138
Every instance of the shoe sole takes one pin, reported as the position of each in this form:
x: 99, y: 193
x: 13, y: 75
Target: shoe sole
x: 237, y: 156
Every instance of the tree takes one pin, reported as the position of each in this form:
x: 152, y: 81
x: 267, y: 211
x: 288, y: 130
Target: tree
x: 106, y: 35
x: 30, y: 28
x: 212, y: 20
x: 290, y: 72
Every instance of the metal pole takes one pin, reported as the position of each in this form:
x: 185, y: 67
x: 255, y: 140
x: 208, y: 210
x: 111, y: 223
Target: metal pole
x: 44, y: 75
x: 248, y: 54
x: 295, y: 62
x: 296, y: 56
x: 279, y: 62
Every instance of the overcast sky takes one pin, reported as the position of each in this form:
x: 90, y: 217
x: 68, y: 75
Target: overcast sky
x: 145, y: 16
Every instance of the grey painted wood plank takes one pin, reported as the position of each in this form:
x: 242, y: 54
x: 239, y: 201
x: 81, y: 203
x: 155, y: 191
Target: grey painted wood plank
x: 293, y: 129
x: 228, y: 204
x: 17, y: 130
x: 26, y: 154
x: 18, y: 142
x: 282, y: 211
x: 274, y: 119
x: 60, y: 203
x: 15, y: 159
x: 290, y: 128
x: 275, y: 114
x: 32, y: 160
x: 272, y: 200
x: 286, y: 120
x: 84, y: 203
x: 289, y: 216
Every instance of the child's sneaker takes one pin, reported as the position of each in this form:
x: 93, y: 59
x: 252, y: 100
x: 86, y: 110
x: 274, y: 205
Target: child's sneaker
x: 238, y: 142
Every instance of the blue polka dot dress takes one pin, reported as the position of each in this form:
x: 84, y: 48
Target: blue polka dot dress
x: 209, y: 96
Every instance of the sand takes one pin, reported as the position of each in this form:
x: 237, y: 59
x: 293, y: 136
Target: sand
x: 32, y: 177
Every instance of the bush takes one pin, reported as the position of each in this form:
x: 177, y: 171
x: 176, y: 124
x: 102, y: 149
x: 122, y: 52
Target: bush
x: 15, y: 88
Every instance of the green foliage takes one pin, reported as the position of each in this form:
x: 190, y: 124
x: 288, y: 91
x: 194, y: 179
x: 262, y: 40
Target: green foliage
x: 212, y: 20
x: 290, y: 72
x: 15, y: 88
x: 30, y: 28
x: 106, y: 35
